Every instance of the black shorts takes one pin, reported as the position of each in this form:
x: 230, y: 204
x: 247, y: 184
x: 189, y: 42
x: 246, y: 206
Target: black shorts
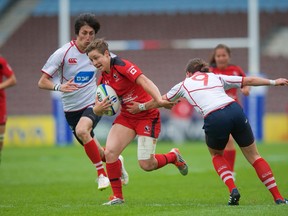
x: 219, y: 124
x: 74, y: 117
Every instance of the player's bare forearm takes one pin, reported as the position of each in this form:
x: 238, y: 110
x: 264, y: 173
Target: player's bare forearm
x: 136, y: 107
x: 258, y: 81
x: 149, y: 87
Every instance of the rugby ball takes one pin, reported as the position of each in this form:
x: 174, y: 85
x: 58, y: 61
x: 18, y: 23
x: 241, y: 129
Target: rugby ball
x: 104, y: 90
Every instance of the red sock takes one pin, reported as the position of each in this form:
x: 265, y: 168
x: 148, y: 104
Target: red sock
x: 230, y: 156
x: 92, y: 152
x: 114, y: 174
x: 164, y: 159
x: 265, y: 174
x: 223, y: 169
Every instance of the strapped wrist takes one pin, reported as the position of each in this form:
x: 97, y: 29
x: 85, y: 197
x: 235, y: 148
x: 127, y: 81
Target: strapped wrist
x: 57, y: 87
x: 272, y: 82
x: 142, y: 107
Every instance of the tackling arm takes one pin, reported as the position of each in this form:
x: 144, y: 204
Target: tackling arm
x: 258, y: 81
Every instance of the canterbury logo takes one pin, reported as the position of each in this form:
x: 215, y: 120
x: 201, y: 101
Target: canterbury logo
x: 72, y: 60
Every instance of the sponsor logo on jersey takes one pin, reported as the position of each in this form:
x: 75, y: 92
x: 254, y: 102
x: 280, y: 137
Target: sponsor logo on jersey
x: 83, y: 77
x: 72, y: 60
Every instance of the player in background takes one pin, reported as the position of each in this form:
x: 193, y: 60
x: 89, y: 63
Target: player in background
x: 130, y: 84
x: 220, y: 64
x: 223, y: 116
x: 78, y: 87
x: 7, y: 79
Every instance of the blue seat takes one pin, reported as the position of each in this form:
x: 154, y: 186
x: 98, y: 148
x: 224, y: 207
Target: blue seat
x: 123, y: 7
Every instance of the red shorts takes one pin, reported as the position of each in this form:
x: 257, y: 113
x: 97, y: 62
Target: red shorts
x: 150, y: 127
x: 3, y: 114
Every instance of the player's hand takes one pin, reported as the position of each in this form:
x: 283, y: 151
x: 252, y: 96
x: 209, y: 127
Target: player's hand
x: 102, y: 106
x: 245, y: 90
x: 69, y: 86
x: 166, y: 104
x: 281, y: 82
x: 133, y: 107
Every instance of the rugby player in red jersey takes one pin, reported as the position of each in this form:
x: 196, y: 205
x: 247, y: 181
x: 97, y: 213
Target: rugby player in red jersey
x: 131, y: 85
x: 7, y: 79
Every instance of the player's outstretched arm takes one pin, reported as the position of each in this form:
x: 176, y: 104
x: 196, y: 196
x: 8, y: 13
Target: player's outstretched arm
x: 259, y: 81
x: 136, y: 107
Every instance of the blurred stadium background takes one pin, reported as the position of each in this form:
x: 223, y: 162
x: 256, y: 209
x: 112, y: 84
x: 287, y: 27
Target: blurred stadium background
x: 29, y: 34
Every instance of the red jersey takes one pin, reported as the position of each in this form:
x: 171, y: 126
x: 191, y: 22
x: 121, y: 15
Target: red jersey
x: 182, y: 110
x: 5, y: 71
x: 122, y: 78
x: 231, y: 70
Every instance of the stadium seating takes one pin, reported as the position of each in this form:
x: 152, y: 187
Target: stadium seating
x: 3, y: 5
x: 124, y: 7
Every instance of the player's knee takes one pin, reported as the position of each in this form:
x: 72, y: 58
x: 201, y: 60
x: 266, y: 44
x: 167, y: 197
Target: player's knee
x: 147, y: 165
x: 81, y: 133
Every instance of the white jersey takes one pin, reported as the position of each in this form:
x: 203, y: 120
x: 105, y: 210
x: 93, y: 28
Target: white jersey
x: 206, y: 91
x: 68, y: 62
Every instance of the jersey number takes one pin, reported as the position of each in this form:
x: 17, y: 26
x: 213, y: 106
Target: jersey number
x: 201, y: 77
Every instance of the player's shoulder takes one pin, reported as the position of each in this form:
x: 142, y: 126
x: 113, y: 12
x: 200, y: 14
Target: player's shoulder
x: 61, y: 51
x: 117, y: 61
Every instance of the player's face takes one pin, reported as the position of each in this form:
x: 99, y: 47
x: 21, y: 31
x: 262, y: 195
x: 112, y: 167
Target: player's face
x: 222, y: 58
x: 100, y: 61
x: 85, y: 36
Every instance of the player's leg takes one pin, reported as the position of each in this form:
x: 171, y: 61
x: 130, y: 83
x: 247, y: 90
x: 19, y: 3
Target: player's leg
x: 217, y: 128
x: 2, y: 132
x: 222, y: 168
x: 148, y: 131
x: 263, y: 171
x: 118, y: 138
x: 83, y: 132
x: 149, y: 161
x: 125, y: 175
x: 230, y: 153
x: 244, y: 137
x: 82, y: 124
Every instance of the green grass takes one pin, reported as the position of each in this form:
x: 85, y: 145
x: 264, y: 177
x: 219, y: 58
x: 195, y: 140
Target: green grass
x: 60, y: 181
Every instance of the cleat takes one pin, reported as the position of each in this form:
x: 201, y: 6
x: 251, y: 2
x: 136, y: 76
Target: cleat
x: 180, y: 163
x: 103, y: 182
x: 234, y: 197
x: 114, y: 201
x: 124, y: 176
x: 280, y: 201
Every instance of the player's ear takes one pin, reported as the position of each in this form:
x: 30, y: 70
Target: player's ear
x: 106, y: 53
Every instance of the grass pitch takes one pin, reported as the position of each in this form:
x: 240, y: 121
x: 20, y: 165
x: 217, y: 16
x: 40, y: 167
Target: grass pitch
x: 61, y: 181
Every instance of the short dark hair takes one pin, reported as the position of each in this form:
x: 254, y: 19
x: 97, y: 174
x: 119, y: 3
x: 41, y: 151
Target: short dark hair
x: 86, y: 19
x: 197, y: 64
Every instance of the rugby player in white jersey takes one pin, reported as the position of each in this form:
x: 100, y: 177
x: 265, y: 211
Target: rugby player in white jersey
x: 77, y: 85
x: 223, y: 116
